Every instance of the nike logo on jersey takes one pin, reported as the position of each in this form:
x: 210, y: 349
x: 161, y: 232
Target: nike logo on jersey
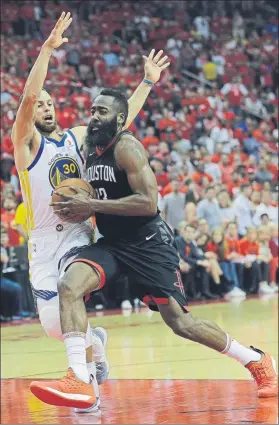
x: 149, y: 237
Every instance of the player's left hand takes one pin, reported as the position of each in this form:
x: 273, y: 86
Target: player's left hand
x: 153, y: 66
x: 79, y: 203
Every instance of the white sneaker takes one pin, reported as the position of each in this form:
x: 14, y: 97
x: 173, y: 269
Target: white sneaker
x: 100, y: 340
x: 274, y: 286
x: 235, y: 292
x: 126, y: 305
x: 136, y: 302
x: 240, y: 292
x: 265, y: 288
x: 99, y: 307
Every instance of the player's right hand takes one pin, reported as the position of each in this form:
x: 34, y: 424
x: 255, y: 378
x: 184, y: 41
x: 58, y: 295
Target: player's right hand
x: 56, y: 36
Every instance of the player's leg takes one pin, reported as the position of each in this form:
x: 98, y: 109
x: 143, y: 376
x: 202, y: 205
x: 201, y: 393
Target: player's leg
x: 96, y: 339
x: 82, y: 277
x: 260, y: 364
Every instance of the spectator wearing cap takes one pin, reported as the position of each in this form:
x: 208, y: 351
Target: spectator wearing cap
x: 209, y: 209
x: 174, y: 204
x: 265, y: 207
x: 243, y: 209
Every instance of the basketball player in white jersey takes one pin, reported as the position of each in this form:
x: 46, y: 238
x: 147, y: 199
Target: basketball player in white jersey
x: 43, y: 159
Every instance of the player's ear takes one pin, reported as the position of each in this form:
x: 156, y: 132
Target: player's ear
x: 120, y: 118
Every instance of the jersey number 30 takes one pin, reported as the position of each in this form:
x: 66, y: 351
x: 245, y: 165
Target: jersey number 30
x: 101, y: 193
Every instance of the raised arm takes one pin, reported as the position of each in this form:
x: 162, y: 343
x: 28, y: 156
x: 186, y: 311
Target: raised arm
x: 153, y: 66
x: 25, y: 136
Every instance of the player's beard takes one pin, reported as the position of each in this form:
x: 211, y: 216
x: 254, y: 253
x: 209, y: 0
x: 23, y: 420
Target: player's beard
x: 45, y: 128
x: 103, y: 135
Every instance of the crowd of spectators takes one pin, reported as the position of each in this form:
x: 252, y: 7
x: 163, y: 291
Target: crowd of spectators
x: 209, y: 127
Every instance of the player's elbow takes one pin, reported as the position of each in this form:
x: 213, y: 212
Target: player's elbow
x: 151, y: 207
x: 29, y: 97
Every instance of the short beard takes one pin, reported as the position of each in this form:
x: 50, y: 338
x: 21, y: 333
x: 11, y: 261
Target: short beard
x: 46, y: 128
x: 103, y: 136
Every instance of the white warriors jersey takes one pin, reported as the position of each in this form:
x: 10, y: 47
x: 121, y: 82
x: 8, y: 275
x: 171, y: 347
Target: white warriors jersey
x: 55, y: 162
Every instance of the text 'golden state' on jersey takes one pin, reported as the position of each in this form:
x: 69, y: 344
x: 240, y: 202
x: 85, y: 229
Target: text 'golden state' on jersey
x: 56, y: 161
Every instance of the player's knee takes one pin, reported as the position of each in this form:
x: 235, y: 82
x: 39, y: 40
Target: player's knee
x: 79, y: 279
x: 50, y: 318
x: 66, y: 287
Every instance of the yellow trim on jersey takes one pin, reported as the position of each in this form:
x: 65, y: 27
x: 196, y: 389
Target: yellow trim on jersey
x: 26, y: 187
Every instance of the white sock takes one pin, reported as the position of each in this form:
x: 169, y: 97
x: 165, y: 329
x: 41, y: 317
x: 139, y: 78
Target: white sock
x: 88, y: 336
x: 76, y: 352
x: 240, y: 353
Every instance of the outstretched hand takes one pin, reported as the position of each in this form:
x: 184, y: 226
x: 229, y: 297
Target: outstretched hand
x: 153, y: 66
x: 56, y: 38
x: 79, y: 203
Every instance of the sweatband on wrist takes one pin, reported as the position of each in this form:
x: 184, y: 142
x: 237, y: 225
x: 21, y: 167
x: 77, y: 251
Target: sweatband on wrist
x: 148, y: 82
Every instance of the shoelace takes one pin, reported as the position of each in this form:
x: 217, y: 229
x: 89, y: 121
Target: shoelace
x: 260, y: 376
x: 99, y: 366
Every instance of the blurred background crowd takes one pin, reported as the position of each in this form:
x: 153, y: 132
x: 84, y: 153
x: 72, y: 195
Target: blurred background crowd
x: 210, y: 128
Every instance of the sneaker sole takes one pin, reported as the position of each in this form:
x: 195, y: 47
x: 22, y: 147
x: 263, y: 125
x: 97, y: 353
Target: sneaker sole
x: 95, y: 408
x: 57, y: 398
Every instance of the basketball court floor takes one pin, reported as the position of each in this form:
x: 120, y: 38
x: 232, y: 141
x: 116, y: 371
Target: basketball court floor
x: 155, y: 377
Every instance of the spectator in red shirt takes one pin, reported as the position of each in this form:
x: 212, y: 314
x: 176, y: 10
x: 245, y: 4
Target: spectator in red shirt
x: 217, y: 156
x: 274, y: 247
x: 226, y: 169
x: 235, y: 92
x: 161, y: 176
x: 150, y: 138
x: 199, y: 174
x: 234, y: 186
x: 250, y: 249
x: 7, y: 218
x: 218, y: 246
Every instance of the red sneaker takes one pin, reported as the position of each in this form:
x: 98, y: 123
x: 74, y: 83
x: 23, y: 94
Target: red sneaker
x: 264, y: 373
x: 68, y: 391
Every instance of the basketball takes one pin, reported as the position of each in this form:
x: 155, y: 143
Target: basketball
x: 65, y: 188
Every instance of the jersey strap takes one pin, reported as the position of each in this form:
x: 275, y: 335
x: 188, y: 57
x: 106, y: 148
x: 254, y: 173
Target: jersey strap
x: 114, y: 141
x: 38, y: 156
x: 76, y: 144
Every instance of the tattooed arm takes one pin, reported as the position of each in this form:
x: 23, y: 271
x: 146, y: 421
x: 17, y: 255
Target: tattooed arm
x: 130, y: 156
